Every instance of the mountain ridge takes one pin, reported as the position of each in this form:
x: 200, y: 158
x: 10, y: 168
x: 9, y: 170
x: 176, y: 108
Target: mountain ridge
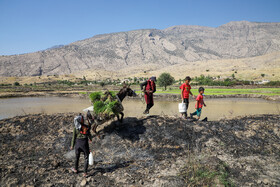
x: 173, y: 45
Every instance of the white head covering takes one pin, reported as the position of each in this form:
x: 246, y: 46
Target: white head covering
x: 77, y: 122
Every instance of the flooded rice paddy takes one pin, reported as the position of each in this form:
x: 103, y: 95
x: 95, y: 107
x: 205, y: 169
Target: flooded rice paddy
x: 216, y: 108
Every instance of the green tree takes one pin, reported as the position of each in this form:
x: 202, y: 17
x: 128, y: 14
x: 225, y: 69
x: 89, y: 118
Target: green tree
x: 16, y: 84
x: 165, y: 79
x: 180, y: 81
x: 135, y: 79
x: 262, y: 74
x: 233, y: 76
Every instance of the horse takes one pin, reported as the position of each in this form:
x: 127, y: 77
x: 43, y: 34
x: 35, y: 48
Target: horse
x: 125, y: 91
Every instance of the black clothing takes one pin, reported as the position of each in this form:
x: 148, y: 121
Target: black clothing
x: 145, y: 84
x: 149, y: 106
x: 186, y: 101
x: 82, y: 146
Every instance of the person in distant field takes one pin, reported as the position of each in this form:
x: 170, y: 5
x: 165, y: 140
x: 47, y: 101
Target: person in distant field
x: 149, y: 87
x: 80, y: 139
x: 185, y: 94
x: 199, y: 103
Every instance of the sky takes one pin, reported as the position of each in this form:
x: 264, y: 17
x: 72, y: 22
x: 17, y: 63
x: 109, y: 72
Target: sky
x: 33, y: 25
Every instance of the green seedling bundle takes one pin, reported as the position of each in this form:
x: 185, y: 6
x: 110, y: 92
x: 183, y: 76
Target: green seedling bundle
x: 105, y: 104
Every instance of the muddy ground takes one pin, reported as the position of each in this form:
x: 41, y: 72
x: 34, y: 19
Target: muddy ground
x: 150, y: 151
x: 160, y: 96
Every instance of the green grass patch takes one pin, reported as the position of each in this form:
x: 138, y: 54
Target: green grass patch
x: 83, y: 93
x: 196, y: 174
x: 230, y: 91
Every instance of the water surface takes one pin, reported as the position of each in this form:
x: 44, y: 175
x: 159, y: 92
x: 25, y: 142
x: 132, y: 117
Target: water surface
x: 216, y: 108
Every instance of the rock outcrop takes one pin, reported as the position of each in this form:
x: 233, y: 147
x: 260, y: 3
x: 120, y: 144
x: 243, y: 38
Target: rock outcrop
x: 124, y: 50
x: 150, y: 151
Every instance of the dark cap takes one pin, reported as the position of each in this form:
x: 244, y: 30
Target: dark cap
x: 153, y: 78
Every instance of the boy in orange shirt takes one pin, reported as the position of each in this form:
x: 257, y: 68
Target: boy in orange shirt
x: 186, y: 91
x: 199, y: 103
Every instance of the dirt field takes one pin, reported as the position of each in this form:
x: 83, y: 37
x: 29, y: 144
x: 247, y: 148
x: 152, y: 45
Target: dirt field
x: 149, y: 151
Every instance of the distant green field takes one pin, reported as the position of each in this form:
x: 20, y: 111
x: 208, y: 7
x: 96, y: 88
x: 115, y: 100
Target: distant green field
x: 230, y: 91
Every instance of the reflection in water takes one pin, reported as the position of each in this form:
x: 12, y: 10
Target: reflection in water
x: 216, y: 108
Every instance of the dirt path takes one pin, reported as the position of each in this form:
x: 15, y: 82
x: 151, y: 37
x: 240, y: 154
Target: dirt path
x: 150, y: 151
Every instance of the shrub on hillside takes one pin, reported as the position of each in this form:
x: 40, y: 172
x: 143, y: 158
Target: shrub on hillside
x: 16, y: 84
x: 273, y: 83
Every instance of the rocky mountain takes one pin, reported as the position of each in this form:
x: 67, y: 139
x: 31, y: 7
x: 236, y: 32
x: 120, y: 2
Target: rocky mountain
x: 55, y: 47
x: 174, y: 45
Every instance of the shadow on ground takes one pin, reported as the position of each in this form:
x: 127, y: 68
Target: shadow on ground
x: 150, y: 151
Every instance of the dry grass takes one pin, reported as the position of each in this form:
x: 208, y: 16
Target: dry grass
x: 244, y: 69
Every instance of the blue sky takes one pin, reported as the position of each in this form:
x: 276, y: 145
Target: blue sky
x: 32, y: 25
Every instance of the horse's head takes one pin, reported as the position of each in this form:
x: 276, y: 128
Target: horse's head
x: 126, y: 91
x: 130, y: 92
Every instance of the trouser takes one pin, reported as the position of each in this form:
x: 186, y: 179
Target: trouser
x: 149, y: 106
x: 197, y: 112
x: 186, y: 101
x: 149, y: 100
x: 82, y: 146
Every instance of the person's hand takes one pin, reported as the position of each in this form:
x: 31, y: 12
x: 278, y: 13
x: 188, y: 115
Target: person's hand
x: 71, y: 148
x: 90, y: 141
x: 205, y: 105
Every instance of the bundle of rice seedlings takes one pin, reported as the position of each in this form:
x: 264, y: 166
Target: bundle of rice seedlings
x: 95, y: 96
x: 99, y: 107
x: 113, y: 94
x: 105, y: 104
x: 113, y: 107
x: 108, y: 95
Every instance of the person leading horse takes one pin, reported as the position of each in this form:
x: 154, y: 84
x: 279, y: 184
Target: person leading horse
x: 149, y: 87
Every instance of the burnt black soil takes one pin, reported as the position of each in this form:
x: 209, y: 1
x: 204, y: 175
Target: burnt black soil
x: 150, y: 151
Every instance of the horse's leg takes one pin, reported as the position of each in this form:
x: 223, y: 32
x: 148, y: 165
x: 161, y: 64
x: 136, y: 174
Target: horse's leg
x: 122, y: 114
x: 94, y: 128
x: 118, y: 117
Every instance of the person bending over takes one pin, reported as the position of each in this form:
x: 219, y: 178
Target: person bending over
x: 80, y: 139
